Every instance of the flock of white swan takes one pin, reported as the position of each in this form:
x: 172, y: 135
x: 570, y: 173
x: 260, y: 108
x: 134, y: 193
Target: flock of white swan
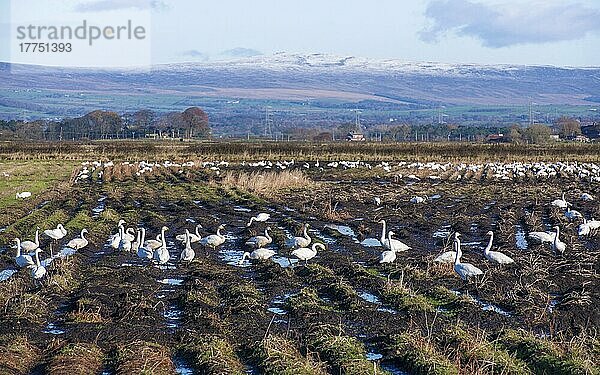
x: 302, y: 247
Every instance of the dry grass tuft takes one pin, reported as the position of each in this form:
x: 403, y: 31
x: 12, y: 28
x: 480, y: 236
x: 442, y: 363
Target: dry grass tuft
x: 17, y: 355
x: 266, y: 184
x: 277, y: 355
x: 77, y: 358
x: 214, y: 355
x: 145, y: 358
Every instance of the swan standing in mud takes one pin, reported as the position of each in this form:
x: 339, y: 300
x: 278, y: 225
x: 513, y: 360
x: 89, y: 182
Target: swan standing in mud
x: 188, y: 254
x: 388, y: 256
x: 161, y: 254
x: 464, y: 270
x: 38, y: 271
x: 561, y: 203
x: 194, y: 237
x: 260, y: 241
x: 495, y: 256
x: 258, y: 254
x: 114, y: 239
x: 56, y: 234
x: 155, y: 244
x: 448, y: 257
x: 388, y: 244
x: 558, y: 246
x: 124, y: 243
x: 144, y: 252
x: 261, y: 217
x: 541, y: 237
x: 30, y: 246
x: 587, y: 197
x: 214, y: 240
x: 303, y: 241
x: 79, y: 243
x: 22, y: 260
x: 306, y: 254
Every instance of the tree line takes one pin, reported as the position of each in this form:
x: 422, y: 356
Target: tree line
x: 191, y: 123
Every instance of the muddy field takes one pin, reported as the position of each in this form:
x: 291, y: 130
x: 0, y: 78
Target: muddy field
x: 103, y: 311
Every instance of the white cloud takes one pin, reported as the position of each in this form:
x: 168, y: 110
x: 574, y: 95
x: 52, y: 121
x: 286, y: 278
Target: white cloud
x: 510, y: 24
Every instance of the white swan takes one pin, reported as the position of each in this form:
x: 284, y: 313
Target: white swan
x: 587, y: 197
x: 561, y: 203
x: 398, y: 245
x: 261, y: 217
x: 464, y: 270
x: 30, y: 246
x: 495, y: 256
x: 572, y: 214
x: 143, y: 251
x: 306, y: 254
x: 584, y: 228
x: 22, y: 260
x: 23, y: 195
x: 56, y: 234
x: 79, y: 243
x: 38, y: 271
x: 557, y: 245
x: 388, y: 256
x: 188, y: 254
x: 541, y: 237
x: 258, y: 254
x: 417, y: 199
x: 124, y: 244
x: 194, y: 237
x: 155, y: 244
x: 448, y: 257
x: 114, y: 239
x: 214, y: 240
x: 161, y: 254
x: 260, y: 241
x: 303, y: 241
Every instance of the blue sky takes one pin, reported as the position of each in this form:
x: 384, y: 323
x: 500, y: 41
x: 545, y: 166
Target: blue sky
x: 552, y: 32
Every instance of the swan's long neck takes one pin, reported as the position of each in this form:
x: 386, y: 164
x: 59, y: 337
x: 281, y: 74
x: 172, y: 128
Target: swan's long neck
x: 138, y: 238
x: 198, y: 231
x: 187, y: 240
x: 18, y: 247
x: 219, y: 232
x: 306, y: 233
x: 37, y: 237
x: 458, y: 251
x: 556, y: 239
x: 245, y: 256
x: 267, y: 235
x: 383, y: 231
x: 162, y: 238
x: 389, y: 238
x: 143, y: 238
x: 37, y: 258
x: 82, y: 234
x: 250, y: 222
x: 121, y: 233
x: 489, y: 245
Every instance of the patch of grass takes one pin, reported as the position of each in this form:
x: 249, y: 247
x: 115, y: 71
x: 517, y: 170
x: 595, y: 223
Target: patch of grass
x: 242, y: 297
x: 77, y: 358
x: 278, y: 356
x: 344, y: 354
x: 414, y: 353
x: 484, y: 356
x: 266, y: 184
x: 17, y: 355
x: 213, y: 355
x: 402, y: 298
x: 344, y: 293
x: 28, y: 306
x: 87, y: 311
x: 543, y: 356
x: 306, y: 302
x: 144, y: 358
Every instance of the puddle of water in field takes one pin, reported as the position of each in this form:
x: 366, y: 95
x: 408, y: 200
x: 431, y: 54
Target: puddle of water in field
x: 374, y: 356
x: 283, y: 261
x: 393, y: 369
x: 436, y: 196
x: 6, y: 274
x: 443, y: 232
x: 241, y: 209
x: 172, y: 317
x: 181, y: 366
x: 520, y: 238
x: 317, y: 233
x: 176, y: 282
x: 53, y: 329
x: 371, y: 242
x: 554, y: 301
x: 96, y: 211
x: 485, y: 306
x: 369, y: 297
x: 342, y: 229
x: 190, y: 220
